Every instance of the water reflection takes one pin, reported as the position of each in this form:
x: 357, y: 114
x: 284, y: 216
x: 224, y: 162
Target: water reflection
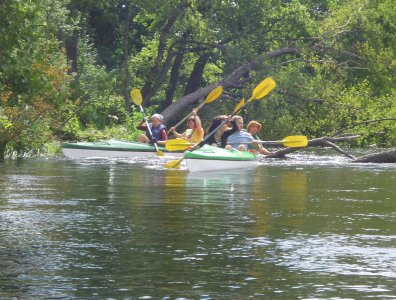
x: 130, y: 229
x: 219, y: 186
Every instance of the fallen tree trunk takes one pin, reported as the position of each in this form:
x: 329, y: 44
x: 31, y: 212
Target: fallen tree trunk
x: 319, y: 142
x: 381, y: 157
x: 232, y: 80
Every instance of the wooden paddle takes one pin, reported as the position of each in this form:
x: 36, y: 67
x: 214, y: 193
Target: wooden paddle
x: 259, y: 92
x: 136, y: 97
x: 294, y: 141
x: 213, y: 95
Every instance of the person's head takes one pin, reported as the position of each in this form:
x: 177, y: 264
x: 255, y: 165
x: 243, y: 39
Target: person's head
x: 216, y: 121
x: 191, y: 122
x: 238, y: 121
x: 156, y: 119
x: 253, y: 127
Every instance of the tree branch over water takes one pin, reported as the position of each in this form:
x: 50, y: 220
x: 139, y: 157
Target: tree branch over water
x: 388, y: 156
x: 363, y: 122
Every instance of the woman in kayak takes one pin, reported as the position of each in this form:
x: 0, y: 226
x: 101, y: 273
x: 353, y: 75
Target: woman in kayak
x: 157, y: 128
x: 194, y: 133
x: 253, y: 128
x: 215, y: 139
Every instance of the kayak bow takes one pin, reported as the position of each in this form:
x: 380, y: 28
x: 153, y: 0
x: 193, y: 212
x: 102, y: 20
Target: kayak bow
x: 210, y: 158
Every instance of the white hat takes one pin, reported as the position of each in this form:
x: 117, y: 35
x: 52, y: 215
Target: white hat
x: 157, y: 116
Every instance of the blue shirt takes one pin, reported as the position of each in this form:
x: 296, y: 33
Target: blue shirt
x: 240, y: 138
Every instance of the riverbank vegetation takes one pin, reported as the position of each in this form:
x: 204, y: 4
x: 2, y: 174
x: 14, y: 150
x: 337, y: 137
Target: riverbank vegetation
x: 67, y: 66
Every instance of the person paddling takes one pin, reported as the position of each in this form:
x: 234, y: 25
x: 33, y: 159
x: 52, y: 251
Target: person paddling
x: 194, y: 133
x: 215, y: 139
x: 237, y: 137
x: 253, y: 128
x: 157, y: 128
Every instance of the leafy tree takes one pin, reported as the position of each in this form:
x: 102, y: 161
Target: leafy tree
x: 33, y: 74
x: 334, y: 62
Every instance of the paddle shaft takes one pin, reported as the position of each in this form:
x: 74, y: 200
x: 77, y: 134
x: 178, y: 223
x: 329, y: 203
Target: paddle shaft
x: 148, y: 128
x: 189, y: 115
x: 279, y: 141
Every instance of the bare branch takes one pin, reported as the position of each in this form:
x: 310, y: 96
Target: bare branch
x: 363, y: 122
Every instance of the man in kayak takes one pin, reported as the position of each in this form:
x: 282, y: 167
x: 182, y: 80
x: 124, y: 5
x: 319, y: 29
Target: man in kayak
x: 194, y: 133
x: 239, y: 138
x: 253, y: 128
x: 236, y: 137
x: 157, y: 128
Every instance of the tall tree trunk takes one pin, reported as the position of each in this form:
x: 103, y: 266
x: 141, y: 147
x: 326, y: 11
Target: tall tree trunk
x: 127, y: 97
x: 2, y: 149
x: 72, y: 51
x: 195, y: 80
x: 174, y: 78
x: 160, y: 78
x: 150, y: 87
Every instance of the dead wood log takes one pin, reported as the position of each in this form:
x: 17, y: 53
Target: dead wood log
x: 388, y: 156
x: 380, y: 157
x: 318, y: 142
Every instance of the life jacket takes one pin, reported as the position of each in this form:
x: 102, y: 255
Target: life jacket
x: 240, y: 138
x: 156, y: 131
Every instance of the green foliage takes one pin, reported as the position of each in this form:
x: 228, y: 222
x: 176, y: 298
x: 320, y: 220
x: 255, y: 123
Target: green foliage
x: 342, y: 79
x: 33, y: 75
x: 97, y: 101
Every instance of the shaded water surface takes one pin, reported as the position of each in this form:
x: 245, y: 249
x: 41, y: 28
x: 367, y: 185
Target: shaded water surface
x: 313, y: 227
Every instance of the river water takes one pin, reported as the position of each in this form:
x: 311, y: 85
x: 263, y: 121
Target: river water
x: 314, y: 226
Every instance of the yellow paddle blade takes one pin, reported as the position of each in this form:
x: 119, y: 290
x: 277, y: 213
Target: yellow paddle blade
x: 174, y: 164
x: 213, y: 95
x: 160, y: 153
x: 239, y: 105
x: 263, y: 89
x: 295, y: 141
x: 136, y: 96
x: 178, y: 144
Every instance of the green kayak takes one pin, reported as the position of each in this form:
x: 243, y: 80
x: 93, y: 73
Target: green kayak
x: 209, y: 158
x: 112, y: 148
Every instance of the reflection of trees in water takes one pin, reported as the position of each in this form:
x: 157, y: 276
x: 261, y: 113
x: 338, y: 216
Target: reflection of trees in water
x: 174, y: 186
x: 276, y: 192
x: 294, y: 185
